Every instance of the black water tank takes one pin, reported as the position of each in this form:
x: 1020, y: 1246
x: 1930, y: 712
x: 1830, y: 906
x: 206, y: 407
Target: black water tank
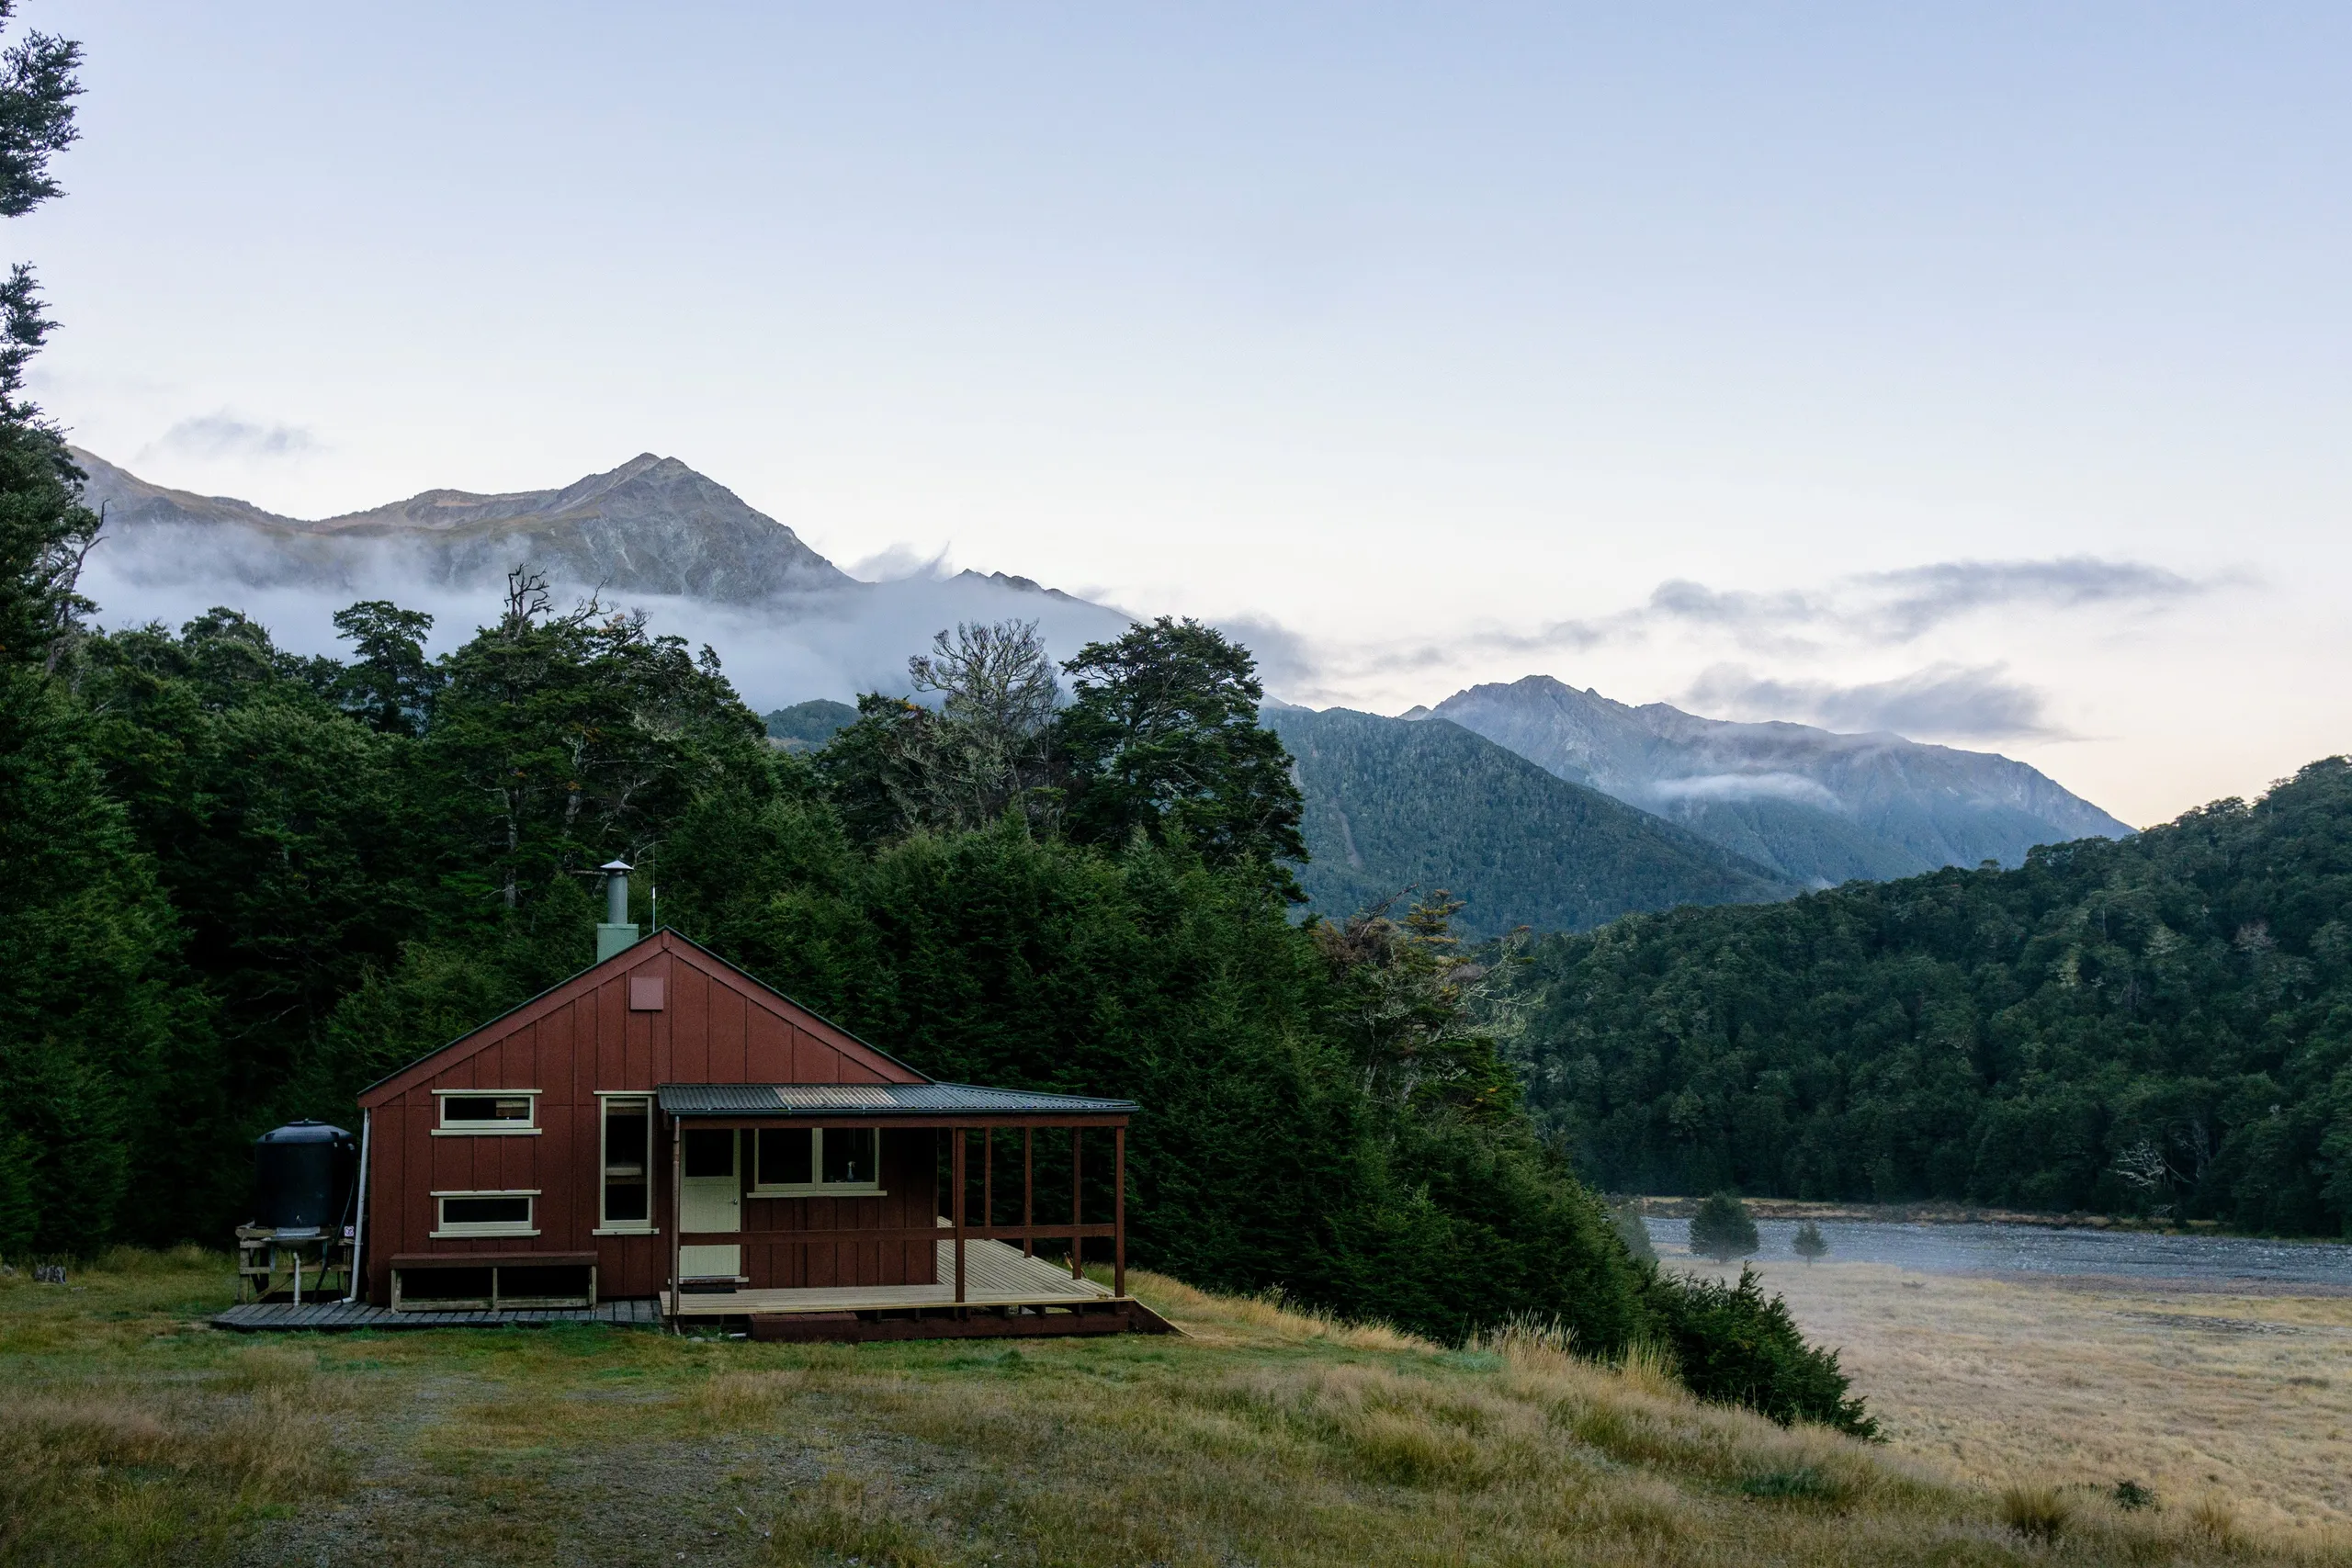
x: 302, y: 1175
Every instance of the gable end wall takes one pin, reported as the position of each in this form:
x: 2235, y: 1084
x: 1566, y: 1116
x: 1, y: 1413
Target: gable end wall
x: 716, y: 1025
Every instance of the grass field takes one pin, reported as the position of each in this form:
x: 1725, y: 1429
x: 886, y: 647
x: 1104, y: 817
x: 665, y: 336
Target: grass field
x: 134, y: 1433
x: 2189, y: 1392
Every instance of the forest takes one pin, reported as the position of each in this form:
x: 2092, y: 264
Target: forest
x: 2159, y: 1026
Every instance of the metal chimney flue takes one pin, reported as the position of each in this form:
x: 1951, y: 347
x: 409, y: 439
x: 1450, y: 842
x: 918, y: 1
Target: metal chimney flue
x: 617, y: 932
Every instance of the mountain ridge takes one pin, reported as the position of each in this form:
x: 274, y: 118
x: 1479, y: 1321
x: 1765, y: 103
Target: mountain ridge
x: 1814, y: 805
x: 653, y: 524
x: 1392, y: 805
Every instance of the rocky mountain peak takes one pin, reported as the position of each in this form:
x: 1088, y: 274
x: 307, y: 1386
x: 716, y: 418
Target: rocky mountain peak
x: 652, y: 525
x: 1815, y: 805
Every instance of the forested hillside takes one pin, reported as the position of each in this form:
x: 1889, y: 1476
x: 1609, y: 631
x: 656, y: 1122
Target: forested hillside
x: 1393, y: 803
x: 1814, y: 807
x: 804, y: 726
x: 2161, y: 1025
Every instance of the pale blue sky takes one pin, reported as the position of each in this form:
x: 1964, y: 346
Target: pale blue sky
x: 1427, y: 341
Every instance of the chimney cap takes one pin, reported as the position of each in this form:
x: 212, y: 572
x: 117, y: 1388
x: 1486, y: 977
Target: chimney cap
x: 620, y: 866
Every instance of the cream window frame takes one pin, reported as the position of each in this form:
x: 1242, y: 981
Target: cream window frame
x: 446, y: 1128
x: 820, y: 1189
x: 605, y: 1226
x: 527, y: 1225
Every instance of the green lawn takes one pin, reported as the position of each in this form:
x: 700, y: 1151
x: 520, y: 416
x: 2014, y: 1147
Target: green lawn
x: 135, y: 1434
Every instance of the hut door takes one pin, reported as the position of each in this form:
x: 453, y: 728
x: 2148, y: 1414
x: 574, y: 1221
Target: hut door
x: 712, y: 1200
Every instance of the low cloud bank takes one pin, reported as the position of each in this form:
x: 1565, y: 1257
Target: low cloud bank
x: 1746, y: 786
x: 831, y: 643
x: 223, y: 434
x: 1942, y: 701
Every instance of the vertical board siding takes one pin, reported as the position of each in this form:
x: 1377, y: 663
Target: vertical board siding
x: 909, y: 1199
x: 767, y: 1047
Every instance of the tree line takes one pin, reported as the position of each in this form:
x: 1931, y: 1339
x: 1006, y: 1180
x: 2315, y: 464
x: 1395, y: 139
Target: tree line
x: 2160, y: 1026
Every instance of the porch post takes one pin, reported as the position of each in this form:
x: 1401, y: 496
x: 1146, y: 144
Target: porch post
x: 955, y: 1163
x: 1028, y: 1190
x: 677, y: 1217
x: 1119, y: 1214
x: 1077, y: 1242
x: 987, y: 1178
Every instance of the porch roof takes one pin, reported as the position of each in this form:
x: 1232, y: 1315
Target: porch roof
x: 832, y: 1101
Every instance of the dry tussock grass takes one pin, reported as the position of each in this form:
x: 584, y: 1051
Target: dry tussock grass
x: 1302, y: 1450
x: 1271, y: 1312
x: 2216, y: 1519
x: 2037, y: 1513
x: 737, y: 1399
x: 101, y: 1475
x: 115, y: 1449
x: 843, y: 1519
x: 2082, y: 1385
x: 1279, y: 1438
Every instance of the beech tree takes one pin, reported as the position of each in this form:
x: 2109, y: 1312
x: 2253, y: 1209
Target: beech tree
x: 1161, y: 738
x: 44, y: 529
x: 90, y: 1013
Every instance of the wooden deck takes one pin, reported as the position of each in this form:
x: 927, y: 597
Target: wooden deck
x: 998, y: 1282
x: 995, y: 1275
x: 253, y: 1318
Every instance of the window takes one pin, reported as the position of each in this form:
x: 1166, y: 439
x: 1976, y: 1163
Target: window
x: 477, y: 1111
x: 788, y: 1157
x: 710, y: 1151
x: 846, y: 1156
x: 628, y: 1156
x: 486, y: 1213
x: 794, y: 1160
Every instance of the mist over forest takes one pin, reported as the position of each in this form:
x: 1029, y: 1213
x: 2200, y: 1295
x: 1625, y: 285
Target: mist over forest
x: 809, y: 631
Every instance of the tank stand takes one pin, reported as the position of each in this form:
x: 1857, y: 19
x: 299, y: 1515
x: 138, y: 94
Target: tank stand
x: 264, y: 1254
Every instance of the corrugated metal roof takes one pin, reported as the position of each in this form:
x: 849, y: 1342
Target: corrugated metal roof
x: 875, y: 1099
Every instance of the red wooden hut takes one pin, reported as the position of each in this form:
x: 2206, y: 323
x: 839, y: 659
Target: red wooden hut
x: 663, y: 1126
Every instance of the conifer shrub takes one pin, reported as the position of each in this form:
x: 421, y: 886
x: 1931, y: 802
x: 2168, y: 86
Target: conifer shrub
x: 1626, y: 1217
x: 1809, y: 1243
x: 1722, y: 1229
x: 1737, y: 1345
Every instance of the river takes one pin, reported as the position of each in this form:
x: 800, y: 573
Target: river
x: 2142, y: 1256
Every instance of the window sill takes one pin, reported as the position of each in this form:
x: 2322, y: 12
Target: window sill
x: 487, y: 1132
x: 818, y: 1192
x: 626, y: 1230
x: 474, y: 1234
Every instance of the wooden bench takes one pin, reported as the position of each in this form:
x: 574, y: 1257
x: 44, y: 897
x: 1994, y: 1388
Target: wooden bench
x: 503, y: 1279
